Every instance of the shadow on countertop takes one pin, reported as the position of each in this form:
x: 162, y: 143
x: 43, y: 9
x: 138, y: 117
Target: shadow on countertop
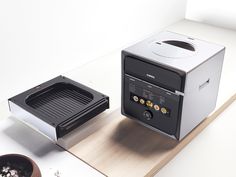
x: 141, y: 140
x: 30, y: 139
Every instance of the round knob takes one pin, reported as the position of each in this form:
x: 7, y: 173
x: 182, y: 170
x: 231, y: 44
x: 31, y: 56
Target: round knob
x: 147, y: 114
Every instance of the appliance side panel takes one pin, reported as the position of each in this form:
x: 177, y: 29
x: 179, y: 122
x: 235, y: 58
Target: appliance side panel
x: 32, y: 121
x: 201, y: 90
x: 123, y: 54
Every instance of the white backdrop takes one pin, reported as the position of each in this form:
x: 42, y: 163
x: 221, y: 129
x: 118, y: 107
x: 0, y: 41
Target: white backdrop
x: 42, y: 39
x: 216, y: 12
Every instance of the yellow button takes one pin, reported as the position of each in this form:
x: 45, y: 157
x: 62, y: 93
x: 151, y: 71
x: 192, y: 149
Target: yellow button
x: 142, y: 101
x: 163, y: 110
x: 135, y: 98
x: 149, y: 104
x: 156, y: 107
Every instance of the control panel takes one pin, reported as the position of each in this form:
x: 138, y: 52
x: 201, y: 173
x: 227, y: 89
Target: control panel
x: 151, y: 104
x: 156, y: 106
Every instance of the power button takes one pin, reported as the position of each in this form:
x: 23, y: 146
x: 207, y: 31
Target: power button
x: 147, y: 114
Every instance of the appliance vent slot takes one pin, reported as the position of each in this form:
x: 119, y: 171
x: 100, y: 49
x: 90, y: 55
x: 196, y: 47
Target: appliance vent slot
x: 180, y: 44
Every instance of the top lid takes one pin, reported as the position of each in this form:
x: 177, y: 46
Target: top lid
x: 175, y: 50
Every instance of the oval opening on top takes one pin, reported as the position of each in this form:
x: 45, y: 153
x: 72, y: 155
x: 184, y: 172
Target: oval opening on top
x: 180, y: 44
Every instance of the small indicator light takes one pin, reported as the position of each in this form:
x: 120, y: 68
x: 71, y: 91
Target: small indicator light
x: 142, y: 101
x: 156, y: 107
x: 149, y: 104
x: 135, y: 98
x: 164, y: 110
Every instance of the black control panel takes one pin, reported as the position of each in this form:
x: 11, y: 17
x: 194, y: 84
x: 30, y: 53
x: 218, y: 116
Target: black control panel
x: 151, y: 104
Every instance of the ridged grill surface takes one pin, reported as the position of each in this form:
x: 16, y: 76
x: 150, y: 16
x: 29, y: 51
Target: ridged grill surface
x: 59, y: 103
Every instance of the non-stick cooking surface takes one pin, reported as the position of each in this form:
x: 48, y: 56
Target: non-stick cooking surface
x: 59, y: 101
x: 62, y: 103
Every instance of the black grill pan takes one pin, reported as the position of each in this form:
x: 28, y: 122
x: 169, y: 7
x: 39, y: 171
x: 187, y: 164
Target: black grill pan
x: 62, y: 103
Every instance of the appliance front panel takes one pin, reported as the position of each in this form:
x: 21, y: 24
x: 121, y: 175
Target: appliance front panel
x: 151, y: 104
x: 155, y: 74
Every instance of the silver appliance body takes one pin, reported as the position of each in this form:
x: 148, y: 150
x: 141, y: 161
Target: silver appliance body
x: 199, y: 64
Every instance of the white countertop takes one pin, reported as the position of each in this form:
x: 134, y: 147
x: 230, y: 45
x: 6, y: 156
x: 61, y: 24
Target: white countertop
x: 211, y: 153
x: 52, y: 160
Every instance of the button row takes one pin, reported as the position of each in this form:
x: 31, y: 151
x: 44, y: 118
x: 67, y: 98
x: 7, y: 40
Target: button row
x: 150, y: 104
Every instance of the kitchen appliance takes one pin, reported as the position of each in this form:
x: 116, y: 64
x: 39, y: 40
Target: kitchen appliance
x: 170, y: 82
x: 58, y: 106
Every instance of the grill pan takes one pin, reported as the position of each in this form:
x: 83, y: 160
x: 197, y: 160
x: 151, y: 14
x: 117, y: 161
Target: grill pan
x: 58, y: 106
